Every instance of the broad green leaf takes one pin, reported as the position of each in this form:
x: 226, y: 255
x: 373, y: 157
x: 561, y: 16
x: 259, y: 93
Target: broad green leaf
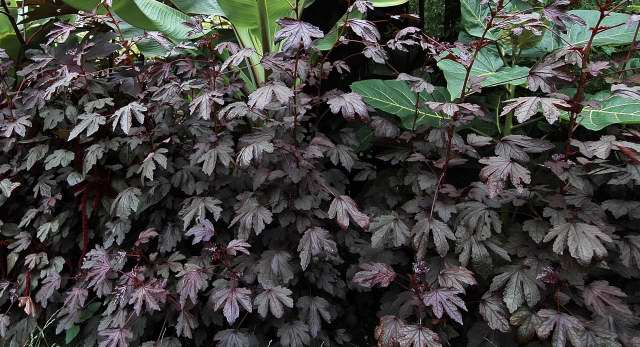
x: 578, y: 35
x: 146, y: 45
x: 207, y: 7
x: 8, y: 39
x: 473, y: 17
x: 488, y: 66
x: 84, y: 5
x: 614, y: 110
x: 153, y: 15
x: 619, y: 34
x: 396, y: 98
x: 388, y: 3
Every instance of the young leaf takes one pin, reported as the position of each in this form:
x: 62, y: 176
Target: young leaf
x: 456, y: 277
x: 152, y: 294
x: 192, y: 280
x: 202, y: 232
x: 389, y: 330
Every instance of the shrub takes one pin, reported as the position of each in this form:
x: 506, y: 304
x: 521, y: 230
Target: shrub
x: 161, y: 188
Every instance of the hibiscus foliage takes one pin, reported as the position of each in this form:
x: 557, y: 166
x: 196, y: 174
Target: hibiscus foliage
x: 234, y: 173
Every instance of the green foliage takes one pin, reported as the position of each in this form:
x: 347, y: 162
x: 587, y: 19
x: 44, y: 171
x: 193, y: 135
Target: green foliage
x: 489, y: 70
x: 396, y: 98
x: 153, y: 16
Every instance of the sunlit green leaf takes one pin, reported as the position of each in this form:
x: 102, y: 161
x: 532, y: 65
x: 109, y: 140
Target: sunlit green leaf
x: 614, y: 110
x: 397, y: 98
x: 153, y: 15
x: 488, y: 66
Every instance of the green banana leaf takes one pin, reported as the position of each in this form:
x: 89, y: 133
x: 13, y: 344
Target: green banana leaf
x: 153, y: 15
x: 206, y: 7
x: 254, y: 23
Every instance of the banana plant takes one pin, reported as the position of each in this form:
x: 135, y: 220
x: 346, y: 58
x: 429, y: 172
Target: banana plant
x: 253, y: 21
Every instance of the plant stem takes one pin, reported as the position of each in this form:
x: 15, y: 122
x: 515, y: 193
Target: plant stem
x: 463, y: 94
x: 508, y: 121
x: 632, y: 49
x: 265, y: 32
x: 582, y: 82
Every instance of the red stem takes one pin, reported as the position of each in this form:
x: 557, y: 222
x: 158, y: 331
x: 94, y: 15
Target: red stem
x: 85, y: 225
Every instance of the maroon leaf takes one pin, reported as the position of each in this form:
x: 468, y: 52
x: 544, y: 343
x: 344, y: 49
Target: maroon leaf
x: 117, y: 337
x: 152, y: 294
x: 445, y: 300
x: 342, y: 207
x: 583, y: 240
x: 562, y: 325
x: 605, y: 300
x: 418, y: 336
x: 231, y: 298
x: 296, y: 34
x: 499, y: 170
x: 350, y: 105
x: 526, y: 107
x: 372, y: 274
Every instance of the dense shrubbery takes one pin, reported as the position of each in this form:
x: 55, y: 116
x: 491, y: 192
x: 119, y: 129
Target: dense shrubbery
x: 166, y: 184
